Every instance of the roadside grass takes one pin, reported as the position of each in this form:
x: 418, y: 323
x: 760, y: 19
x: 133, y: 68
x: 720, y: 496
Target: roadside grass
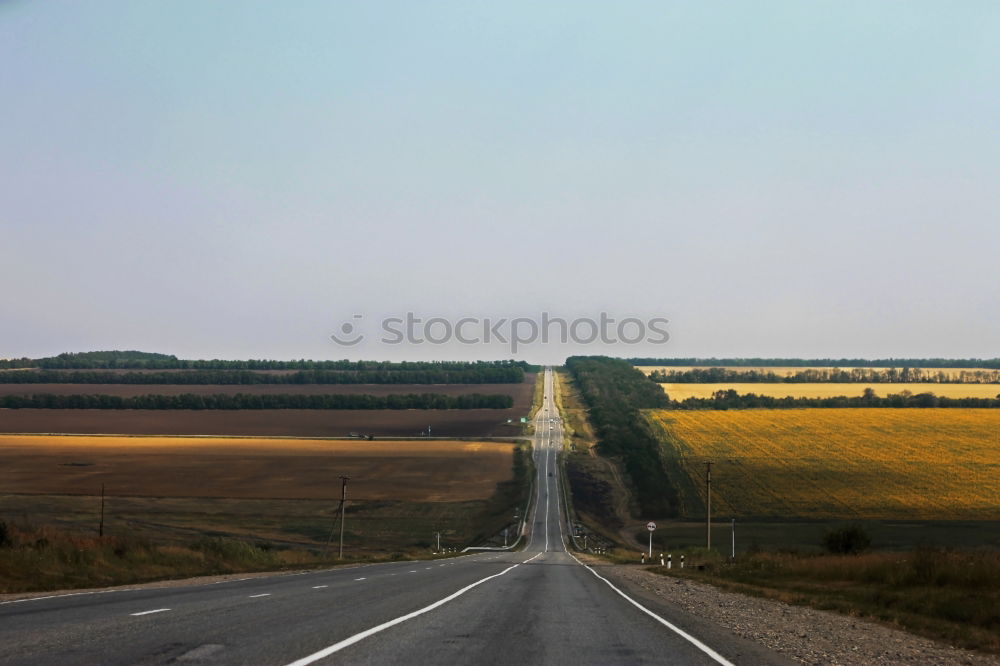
x: 36, y: 558
x: 50, y: 541
x: 947, y: 595
x: 574, y: 413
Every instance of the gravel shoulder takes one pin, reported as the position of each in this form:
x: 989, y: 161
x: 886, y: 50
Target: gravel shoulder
x: 804, y: 635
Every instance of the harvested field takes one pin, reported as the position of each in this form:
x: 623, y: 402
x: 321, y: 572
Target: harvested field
x: 267, y: 422
x: 520, y: 392
x: 830, y: 390
x: 439, y: 471
x: 880, y: 464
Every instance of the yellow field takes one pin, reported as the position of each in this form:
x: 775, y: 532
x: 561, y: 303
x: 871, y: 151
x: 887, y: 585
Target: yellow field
x: 930, y: 464
x: 266, y: 468
x: 785, y: 371
x: 830, y: 390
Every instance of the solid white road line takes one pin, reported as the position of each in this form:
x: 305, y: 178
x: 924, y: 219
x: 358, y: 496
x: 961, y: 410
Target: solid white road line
x: 347, y: 642
x: 254, y: 596
x: 677, y: 630
x: 149, y: 612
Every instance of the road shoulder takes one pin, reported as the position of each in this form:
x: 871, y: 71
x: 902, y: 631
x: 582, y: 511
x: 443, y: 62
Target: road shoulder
x: 800, y: 634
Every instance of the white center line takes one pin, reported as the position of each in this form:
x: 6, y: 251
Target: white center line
x: 158, y: 610
x: 366, y: 578
x: 318, y: 587
x: 254, y: 596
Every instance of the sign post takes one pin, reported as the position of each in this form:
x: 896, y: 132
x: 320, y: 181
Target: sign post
x: 651, y: 526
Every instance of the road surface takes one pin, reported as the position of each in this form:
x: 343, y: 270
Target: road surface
x: 538, y: 605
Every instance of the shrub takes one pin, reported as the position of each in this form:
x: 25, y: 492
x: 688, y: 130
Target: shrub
x: 849, y: 540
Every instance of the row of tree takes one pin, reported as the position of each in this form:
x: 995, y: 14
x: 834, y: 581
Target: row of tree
x: 473, y: 374
x: 825, y: 362
x: 136, y: 360
x: 731, y: 399
x: 615, y: 391
x: 256, y: 401
x: 827, y: 375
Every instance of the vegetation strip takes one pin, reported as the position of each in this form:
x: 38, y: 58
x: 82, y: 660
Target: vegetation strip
x: 823, y: 362
x: 824, y: 375
x: 732, y: 399
x: 615, y: 392
x: 472, y: 375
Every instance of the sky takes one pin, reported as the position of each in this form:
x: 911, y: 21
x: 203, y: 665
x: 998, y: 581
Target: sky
x: 246, y: 179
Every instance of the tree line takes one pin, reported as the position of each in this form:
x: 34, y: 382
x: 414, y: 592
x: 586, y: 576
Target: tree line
x: 135, y: 360
x: 731, y: 399
x: 904, y: 374
x: 615, y: 391
x: 993, y: 363
x: 485, y: 374
x: 241, y: 401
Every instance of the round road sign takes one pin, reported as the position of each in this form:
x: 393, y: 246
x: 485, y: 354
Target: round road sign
x: 651, y: 526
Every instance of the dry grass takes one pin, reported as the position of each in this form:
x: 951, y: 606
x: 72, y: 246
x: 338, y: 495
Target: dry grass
x: 253, y: 468
x: 930, y: 464
x: 945, y: 595
x: 831, y: 390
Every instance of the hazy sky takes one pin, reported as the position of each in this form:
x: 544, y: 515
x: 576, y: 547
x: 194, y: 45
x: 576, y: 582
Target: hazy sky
x: 237, y: 179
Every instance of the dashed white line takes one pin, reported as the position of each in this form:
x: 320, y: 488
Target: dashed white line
x: 366, y: 578
x: 150, y: 612
x: 254, y: 596
x: 347, y: 642
x: 60, y: 596
x: 318, y: 587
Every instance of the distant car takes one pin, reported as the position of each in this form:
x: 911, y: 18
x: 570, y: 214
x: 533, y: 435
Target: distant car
x: 550, y: 473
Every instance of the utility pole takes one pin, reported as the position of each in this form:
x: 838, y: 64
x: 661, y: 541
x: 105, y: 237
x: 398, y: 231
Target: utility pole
x: 100, y: 528
x: 734, y: 539
x: 439, y: 542
x: 343, y: 511
x: 708, y: 504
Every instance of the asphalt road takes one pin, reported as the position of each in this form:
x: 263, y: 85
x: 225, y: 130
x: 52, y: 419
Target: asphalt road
x: 538, y: 605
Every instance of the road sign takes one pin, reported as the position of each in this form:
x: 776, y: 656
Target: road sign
x: 651, y: 526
